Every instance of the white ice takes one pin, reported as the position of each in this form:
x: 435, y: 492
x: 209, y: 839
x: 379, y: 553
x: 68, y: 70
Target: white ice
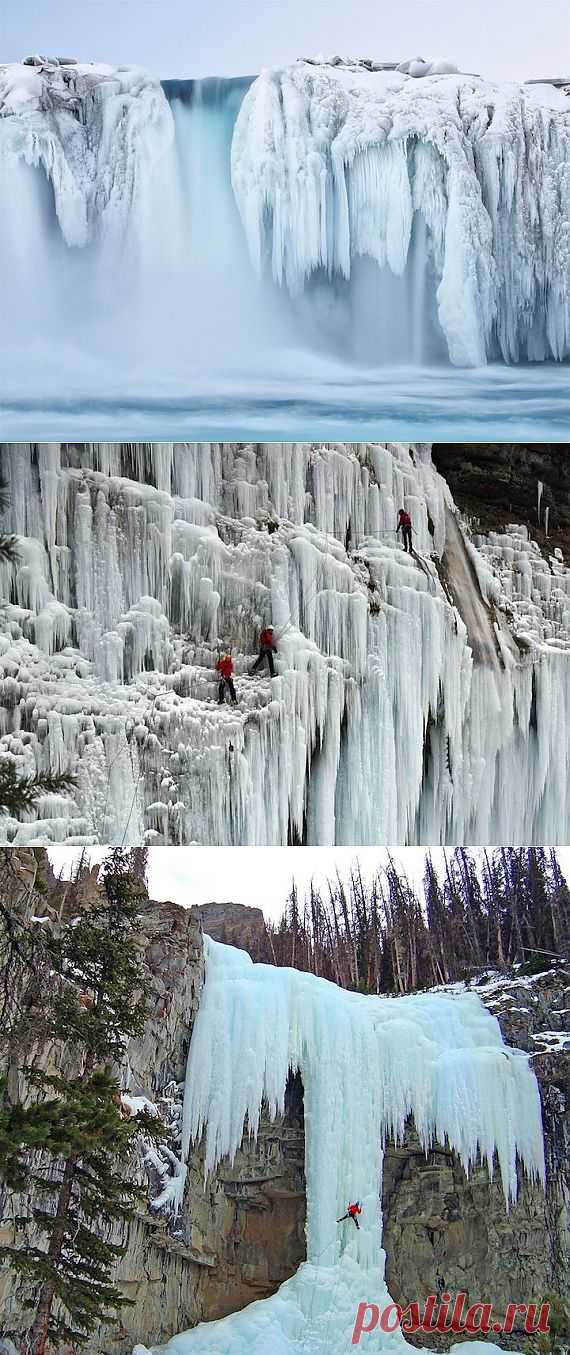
x: 95, y: 131
x: 335, y: 164
x: 367, y: 1064
x: 414, y: 215
x: 404, y: 710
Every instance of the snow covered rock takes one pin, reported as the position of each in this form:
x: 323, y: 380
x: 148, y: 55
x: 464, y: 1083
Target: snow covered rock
x: 96, y: 132
x: 334, y: 162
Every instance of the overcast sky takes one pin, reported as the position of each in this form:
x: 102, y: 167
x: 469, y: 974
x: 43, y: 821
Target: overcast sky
x: 512, y: 39
x: 259, y: 876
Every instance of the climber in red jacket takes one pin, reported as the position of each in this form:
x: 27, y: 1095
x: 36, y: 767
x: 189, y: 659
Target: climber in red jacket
x: 225, y: 667
x: 267, y: 648
x: 405, y: 527
x: 352, y: 1213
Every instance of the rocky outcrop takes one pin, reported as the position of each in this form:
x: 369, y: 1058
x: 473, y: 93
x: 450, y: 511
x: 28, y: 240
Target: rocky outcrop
x: 235, y: 924
x: 497, y: 483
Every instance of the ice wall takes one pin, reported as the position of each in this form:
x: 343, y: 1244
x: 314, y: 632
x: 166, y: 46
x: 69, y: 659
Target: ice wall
x: 388, y: 218
x: 367, y: 1064
x: 335, y: 164
x: 417, y: 699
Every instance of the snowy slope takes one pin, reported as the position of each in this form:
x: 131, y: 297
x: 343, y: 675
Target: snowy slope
x: 366, y: 1063
x: 417, y: 699
x: 333, y: 163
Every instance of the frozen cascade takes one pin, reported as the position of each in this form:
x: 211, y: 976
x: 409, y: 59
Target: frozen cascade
x: 332, y: 165
x: 417, y: 699
x: 367, y: 1064
x: 411, y: 221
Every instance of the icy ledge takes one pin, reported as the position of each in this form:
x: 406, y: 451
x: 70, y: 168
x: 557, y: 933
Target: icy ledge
x: 367, y: 1064
x: 95, y: 130
x: 330, y: 163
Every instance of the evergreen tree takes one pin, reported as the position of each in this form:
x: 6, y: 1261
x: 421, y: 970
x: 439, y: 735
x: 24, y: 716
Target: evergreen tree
x: 72, y: 1143
x: 19, y: 794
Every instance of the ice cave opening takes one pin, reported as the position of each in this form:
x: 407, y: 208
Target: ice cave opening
x: 367, y: 1064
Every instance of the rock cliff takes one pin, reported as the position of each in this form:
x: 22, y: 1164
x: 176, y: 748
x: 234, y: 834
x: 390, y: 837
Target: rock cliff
x: 498, y: 483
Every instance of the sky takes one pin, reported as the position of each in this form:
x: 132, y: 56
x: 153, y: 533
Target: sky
x: 511, y: 39
x: 260, y: 876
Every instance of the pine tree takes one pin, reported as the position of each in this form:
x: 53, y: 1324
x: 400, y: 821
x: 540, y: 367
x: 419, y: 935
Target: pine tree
x: 78, y: 1139
x: 19, y: 794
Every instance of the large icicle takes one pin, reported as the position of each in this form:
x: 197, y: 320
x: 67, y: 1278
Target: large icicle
x: 367, y: 1064
x: 417, y: 699
x: 331, y: 163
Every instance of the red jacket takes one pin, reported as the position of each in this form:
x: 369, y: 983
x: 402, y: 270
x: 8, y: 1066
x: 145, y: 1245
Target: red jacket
x: 405, y: 520
x: 267, y: 639
x: 225, y: 666
x: 354, y: 1209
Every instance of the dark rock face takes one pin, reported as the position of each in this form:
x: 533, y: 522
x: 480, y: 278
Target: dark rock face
x: 497, y: 483
x: 251, y: 1218
x: 235, y: 924
x: 446, y: 1232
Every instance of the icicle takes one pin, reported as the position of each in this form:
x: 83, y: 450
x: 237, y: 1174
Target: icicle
x: 401, y: 711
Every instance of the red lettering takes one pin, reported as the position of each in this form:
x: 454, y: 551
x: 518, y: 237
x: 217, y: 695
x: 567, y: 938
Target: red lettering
x: 429, y: 1310
x: 414, y: 1324
x: 542, y: 1325
x: 385, y: 1321
x: 457, y: 1323
x: 442, y: 1314
x: 483, y: 1324
x: 359, y: 1325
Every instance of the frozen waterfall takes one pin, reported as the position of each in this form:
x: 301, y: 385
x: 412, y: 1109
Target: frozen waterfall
x: 225, y: 226
x: 367, y: 1064
x: 417, y: 699
x: 334, y: 166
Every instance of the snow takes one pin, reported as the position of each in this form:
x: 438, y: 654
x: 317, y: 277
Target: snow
x: 403, y: 710
x: 94, y: 130
x: 367, y: 1064
x: 334, y: 164
x: 138, y: 1104
x: 552, y: 1040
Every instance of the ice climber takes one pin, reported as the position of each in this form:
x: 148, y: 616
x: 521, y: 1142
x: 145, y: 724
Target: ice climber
x: 405, y: 527
x: 352, y: 1213
x: 267, y: 648
x: 225, y: 667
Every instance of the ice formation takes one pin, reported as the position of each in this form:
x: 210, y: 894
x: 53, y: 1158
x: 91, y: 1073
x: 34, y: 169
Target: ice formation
x: 411, y: 219
x: 367, y: 1064
x: 332, y: 164
x: 95, y: 131
x: 417, y: 699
